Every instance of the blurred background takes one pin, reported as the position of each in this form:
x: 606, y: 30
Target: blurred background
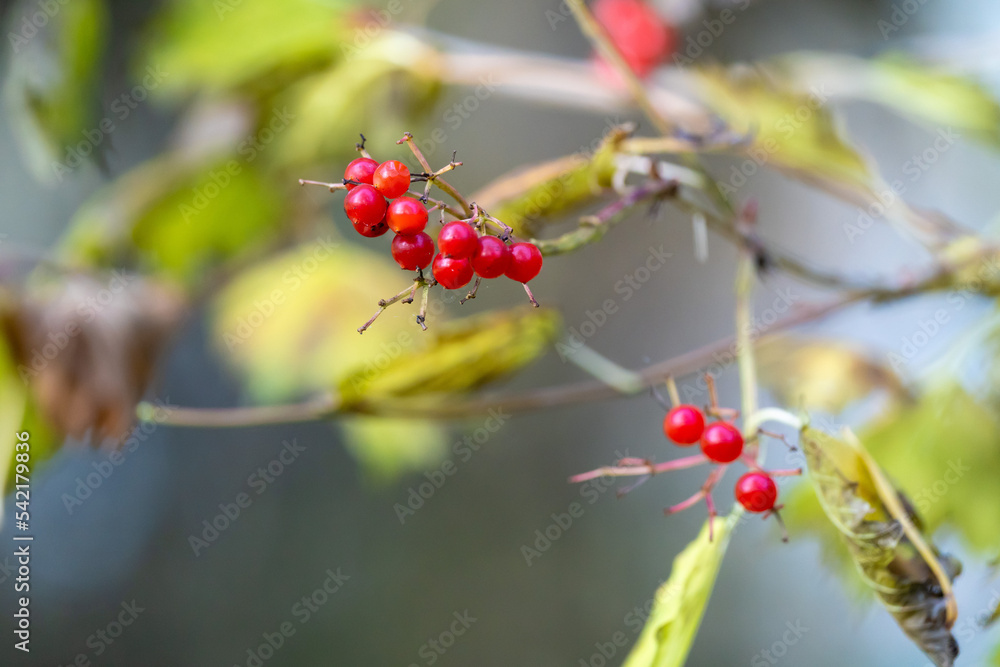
x: 178, y: 92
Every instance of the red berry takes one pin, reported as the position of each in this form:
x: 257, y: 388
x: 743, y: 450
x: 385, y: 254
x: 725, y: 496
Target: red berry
x: 756, y: 491
x: 364, y: 206
x: 406, y: 216
x: 492, y: 257
x: 458, y: 239
x: 361, y: 170
x: 684, y: 424
x: 525, y: 262
x: 413, y: 251
x: 371, y: 231
x: 642, y: 37
x: 392, y: 178
x: 452, y: 272
x: 722, y: 442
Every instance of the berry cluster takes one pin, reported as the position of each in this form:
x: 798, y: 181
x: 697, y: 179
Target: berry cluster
x: 376, y: 202
x: 637, y: 31
x: 464, y: 252
x: 721, y: 444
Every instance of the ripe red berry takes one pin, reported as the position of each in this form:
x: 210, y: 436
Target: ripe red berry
x: 392, y: 178
x: 361, y: 170
x: 525, y: 262
x: 371, y: 231
x: 492, y: 257
x: 722, y: 442
x: 406, y: 216
x: 364, y: 206
x: 413, y: 251
x: 452, y: 272
x: 642, y: 37
x: 684, y: 424
x: 756, y: 491
x: 458, y: 239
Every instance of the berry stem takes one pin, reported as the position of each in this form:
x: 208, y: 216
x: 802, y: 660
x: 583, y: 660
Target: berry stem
x: 422, y: 315
x: 531, y: 297
x: 675, y: 397
x: 472, y: 294
x: 631, y: 467
x: 333, y: 186
x: 435, y: 176
x: 361, y: 147
x: 438, y: 204
x: 385, y: 303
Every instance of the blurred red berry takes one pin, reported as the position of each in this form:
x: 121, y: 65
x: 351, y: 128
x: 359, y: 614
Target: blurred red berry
x: 684, y: 424
x: 722, y: 442
x: 642, y: 37
x: 756, y: 491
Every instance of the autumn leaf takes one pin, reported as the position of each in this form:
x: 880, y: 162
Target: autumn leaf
x: 882, y: 535
x: 680, y: 602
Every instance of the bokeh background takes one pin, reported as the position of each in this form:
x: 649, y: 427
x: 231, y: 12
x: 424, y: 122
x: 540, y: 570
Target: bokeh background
x: 461, y: 551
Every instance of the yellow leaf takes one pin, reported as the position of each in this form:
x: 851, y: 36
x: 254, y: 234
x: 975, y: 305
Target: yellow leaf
x: 461, y: 356
x: 666, y: 639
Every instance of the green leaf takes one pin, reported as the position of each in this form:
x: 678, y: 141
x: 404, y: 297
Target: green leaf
x: 214, y: 47
x: 176, y: 220
x: 914, y: 89
x: 944, y: 450
x: 387, y: 448
x: 53, y: 85
x: 790, y: 128
x: 882, y: 536
x: 460, y: 356
x: 680, y: 603
x: 528, y: 198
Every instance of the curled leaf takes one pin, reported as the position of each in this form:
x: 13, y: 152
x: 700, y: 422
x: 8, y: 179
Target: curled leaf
x: 461, y: 356
x: 882, y: 534
x: 680, y: 603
